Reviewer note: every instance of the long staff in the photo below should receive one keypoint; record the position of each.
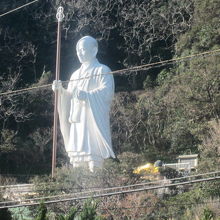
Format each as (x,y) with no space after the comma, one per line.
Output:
(59,17)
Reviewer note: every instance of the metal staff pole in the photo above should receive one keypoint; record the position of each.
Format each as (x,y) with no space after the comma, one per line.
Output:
(59,17)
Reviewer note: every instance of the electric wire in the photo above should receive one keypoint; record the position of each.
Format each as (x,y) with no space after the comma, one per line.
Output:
(122,71)
(95,189)
(18,8)
(92,195)
(109,194)
(115,187)
(168,61)
(137,68)
(19,186)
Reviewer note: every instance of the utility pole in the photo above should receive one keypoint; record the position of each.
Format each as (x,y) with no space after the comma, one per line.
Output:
(59,17)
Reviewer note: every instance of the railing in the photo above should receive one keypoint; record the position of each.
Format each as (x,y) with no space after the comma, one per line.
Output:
(179,166)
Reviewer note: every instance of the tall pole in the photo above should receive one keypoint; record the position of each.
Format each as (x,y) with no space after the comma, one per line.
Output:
(59,17)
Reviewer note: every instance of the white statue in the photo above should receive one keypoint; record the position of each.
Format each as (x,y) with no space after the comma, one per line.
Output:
(84,108)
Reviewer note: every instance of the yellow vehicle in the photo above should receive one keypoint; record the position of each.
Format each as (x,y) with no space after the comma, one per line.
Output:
(148,168)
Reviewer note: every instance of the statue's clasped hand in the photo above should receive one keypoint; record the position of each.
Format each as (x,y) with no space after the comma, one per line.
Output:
(80,94)
(57,85)
(76,105)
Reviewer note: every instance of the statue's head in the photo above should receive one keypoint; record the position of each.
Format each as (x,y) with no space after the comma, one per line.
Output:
(86,48)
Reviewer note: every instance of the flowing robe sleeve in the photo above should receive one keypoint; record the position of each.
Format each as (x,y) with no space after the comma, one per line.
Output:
(99,100)
(64,100)
(63,110)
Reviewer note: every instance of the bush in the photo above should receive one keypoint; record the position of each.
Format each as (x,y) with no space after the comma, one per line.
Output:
(5,214)
(42,212)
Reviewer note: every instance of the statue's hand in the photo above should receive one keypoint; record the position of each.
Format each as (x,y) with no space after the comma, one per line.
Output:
(81,95)
(57,85)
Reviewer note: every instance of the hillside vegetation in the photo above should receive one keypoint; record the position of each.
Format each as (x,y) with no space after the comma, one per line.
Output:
(158,113)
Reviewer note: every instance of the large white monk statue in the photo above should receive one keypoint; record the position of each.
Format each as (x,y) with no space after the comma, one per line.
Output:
(84,108)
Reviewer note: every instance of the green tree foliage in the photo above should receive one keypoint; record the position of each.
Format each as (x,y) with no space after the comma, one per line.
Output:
(5,214)
(70,216)
(176,113)
(173,110)
(87,212)
(209,148)
(69,180)
(42,212)
(129,33)
(207,214)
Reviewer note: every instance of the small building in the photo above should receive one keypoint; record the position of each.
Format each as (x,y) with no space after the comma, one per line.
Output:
(185,163)
(191,159)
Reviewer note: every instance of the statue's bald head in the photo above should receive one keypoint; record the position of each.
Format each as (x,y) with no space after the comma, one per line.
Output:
(87,48)
(89,40)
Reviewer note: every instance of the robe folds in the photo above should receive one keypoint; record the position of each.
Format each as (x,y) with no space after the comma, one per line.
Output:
(89,139)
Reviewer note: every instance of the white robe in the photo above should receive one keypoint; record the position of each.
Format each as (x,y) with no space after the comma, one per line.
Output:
(90,138)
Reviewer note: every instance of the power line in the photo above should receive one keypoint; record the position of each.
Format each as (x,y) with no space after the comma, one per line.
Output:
(132,69)
(116,187)
(16,9)
(168,61)
(95,189)
(112,193)
(24,90)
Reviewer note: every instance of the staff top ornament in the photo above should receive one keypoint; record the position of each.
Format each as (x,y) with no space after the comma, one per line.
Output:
(60,14)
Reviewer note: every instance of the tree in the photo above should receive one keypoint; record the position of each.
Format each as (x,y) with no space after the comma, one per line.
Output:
(42,212)
(5,214)
(27,40)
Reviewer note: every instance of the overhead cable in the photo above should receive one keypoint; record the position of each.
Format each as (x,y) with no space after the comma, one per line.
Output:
(122,71)
(112,193)
(18,8)
(114,187)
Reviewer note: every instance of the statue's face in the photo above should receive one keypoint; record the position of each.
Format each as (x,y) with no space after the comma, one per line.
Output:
(86,51)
